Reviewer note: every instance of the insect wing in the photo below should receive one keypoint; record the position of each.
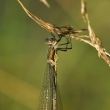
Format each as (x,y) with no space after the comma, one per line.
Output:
(46,96)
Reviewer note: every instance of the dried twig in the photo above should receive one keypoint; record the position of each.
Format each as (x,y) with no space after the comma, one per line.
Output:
(45,3)
(94,40)
(64,31)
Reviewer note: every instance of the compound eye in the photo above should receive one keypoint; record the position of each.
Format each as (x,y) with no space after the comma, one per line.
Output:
(47,40)
(50,40)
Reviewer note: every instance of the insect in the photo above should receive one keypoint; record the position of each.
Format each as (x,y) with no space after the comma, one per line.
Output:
(50,94)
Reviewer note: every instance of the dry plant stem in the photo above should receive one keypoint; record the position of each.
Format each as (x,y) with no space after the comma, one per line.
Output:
(49,27)
(96,43)
(93,40)
(65,30)
(45,3)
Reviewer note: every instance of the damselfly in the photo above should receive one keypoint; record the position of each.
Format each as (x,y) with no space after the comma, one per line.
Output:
(50,95)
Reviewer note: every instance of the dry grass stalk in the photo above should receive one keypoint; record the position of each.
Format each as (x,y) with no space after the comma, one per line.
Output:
(45,3)
(64,31)
(93,39)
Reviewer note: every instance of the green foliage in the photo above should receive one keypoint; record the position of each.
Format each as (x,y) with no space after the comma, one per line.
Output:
(82,76)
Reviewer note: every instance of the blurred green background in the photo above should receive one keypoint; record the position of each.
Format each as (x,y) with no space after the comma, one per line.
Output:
(84,79)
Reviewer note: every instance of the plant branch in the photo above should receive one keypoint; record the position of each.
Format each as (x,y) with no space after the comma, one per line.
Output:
(64,31)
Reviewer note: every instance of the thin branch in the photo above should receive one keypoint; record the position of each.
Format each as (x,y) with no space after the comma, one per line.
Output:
(49,27)
(45,3)
(64,31)
(96,42)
